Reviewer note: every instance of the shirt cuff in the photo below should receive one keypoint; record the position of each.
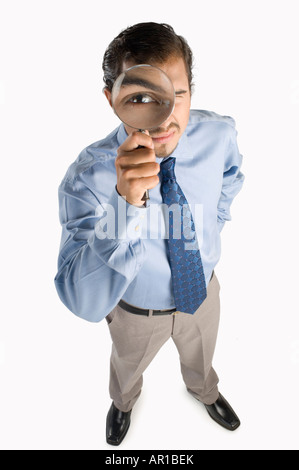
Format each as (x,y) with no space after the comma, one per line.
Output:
(120,220)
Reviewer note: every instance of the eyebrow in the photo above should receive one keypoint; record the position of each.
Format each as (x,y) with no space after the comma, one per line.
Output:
(181,92)
(127,81)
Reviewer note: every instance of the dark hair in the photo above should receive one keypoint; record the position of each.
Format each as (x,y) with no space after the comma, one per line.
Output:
(145,43)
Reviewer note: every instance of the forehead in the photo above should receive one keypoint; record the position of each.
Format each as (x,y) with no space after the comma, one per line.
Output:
(175,69)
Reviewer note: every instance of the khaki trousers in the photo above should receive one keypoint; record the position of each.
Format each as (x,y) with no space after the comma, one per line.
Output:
(137,339)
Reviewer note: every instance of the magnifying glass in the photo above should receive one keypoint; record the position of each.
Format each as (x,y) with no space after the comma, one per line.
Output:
(143,98)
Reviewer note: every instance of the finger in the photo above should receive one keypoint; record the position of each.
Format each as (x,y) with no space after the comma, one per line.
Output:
(149,182)
(135,140)
(143,170)
(136,157)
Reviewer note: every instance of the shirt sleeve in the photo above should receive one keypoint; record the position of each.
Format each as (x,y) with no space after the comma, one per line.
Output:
(101,250)
(233,180)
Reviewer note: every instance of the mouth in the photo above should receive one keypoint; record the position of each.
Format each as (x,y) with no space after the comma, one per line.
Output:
(163,138)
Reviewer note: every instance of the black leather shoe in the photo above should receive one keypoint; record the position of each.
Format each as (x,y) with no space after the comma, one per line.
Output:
(117,425)
(223,414)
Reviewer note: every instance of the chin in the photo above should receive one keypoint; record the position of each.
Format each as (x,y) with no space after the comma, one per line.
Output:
(164,150)
(161,153)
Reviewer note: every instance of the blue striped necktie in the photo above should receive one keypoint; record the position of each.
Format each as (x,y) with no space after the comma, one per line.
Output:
(188,280)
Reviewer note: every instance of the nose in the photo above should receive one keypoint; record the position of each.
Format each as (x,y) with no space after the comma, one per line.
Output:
(168,122)
(165,126)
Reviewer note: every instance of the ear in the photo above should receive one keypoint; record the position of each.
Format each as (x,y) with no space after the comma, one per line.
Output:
(107,93)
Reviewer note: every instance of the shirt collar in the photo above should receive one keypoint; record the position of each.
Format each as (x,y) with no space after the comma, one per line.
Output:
(182,151)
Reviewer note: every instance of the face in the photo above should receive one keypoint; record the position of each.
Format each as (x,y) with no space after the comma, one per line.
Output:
(168,134)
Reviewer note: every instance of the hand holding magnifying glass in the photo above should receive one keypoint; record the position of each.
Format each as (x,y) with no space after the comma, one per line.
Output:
(143,98)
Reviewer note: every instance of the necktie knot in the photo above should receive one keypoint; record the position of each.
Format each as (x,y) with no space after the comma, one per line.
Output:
(167,169)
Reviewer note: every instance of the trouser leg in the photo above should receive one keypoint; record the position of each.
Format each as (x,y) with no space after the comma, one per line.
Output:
(195,338)
(136,341)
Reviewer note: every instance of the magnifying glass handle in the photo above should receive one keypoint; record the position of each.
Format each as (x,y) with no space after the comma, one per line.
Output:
(146,194)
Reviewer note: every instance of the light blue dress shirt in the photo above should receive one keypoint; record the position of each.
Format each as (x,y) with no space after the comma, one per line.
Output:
(111,250)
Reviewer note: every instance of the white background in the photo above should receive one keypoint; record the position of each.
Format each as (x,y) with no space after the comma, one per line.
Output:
(54,367)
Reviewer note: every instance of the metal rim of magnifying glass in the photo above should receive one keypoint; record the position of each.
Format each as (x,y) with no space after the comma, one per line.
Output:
(120,78)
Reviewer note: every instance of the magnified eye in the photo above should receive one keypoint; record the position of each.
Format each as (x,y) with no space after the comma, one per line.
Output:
(141,98)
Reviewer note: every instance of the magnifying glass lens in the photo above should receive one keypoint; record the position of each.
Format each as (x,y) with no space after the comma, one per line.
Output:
(143,97)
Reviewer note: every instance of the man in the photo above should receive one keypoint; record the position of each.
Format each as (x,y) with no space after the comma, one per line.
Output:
(149,286)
